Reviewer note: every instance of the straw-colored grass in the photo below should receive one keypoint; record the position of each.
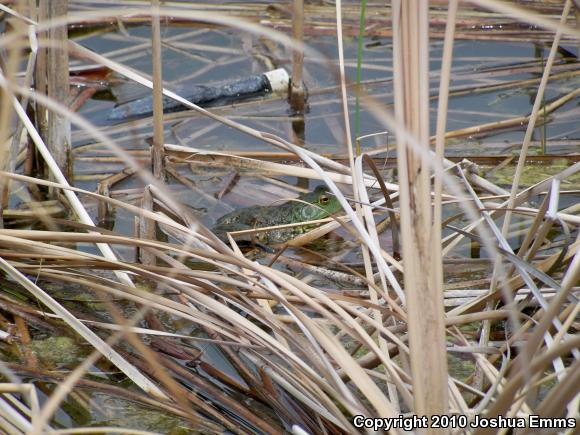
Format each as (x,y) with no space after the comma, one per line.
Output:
(296,339)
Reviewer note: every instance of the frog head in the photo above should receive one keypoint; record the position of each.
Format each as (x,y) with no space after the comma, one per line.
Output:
(316,205)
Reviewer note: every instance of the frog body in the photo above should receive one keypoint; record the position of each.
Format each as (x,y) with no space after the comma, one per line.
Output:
(310,206)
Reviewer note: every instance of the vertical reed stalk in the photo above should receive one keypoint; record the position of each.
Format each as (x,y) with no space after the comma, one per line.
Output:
(59,131)
(297,101)
(18,137)
(359,55)
(440,135)
(157,148)
(423,275)
(442,117)
(40,81)
(6,112)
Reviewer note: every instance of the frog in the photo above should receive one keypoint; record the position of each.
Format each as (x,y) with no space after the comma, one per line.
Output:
(314,205)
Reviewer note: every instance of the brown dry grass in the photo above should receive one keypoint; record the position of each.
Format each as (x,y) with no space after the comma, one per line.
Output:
(298,354)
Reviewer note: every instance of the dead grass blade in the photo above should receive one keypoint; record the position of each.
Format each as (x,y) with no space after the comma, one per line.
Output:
(81,329)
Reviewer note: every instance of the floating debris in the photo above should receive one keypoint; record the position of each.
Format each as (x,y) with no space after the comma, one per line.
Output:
(271,81)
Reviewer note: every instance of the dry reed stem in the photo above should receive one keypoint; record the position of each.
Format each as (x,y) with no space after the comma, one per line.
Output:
(142,242)
(7,153)
(189,154)
(522,14)
(423,283)
(321,389)
(523,154)
(103,348)
(520,199)
(472,22)
(520,266)
(441,127)
(157,155)
(12,408)
(58,175)
(58,132)
(360,194)
(297,96)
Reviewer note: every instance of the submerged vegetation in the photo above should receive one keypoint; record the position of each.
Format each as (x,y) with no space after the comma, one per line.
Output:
(433,268)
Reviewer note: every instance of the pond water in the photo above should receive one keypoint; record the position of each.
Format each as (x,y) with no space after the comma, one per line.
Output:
(191,57)
(484,89)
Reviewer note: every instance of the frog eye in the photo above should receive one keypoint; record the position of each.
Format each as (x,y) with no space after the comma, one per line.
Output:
(324,200)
